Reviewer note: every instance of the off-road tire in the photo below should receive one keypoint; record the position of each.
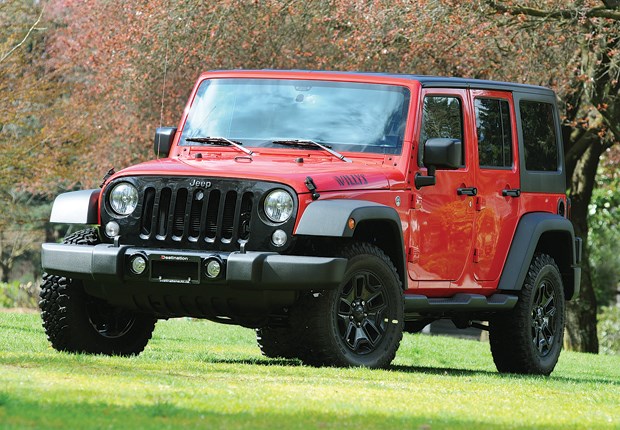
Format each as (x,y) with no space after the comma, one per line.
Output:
(77,322)
(278,342)
(360,323)
(528,339)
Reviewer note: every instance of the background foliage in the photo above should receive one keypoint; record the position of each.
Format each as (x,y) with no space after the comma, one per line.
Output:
(83,84)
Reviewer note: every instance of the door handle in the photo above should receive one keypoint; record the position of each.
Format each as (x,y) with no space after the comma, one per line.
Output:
(515,192)
(468,191)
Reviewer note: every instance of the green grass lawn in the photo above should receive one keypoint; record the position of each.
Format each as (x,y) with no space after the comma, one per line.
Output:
(201,374)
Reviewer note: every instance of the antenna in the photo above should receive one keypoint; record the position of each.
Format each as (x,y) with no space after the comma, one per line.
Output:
(163,88)
(163,92)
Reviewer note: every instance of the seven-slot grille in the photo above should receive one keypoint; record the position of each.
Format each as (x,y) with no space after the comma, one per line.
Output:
(195,215)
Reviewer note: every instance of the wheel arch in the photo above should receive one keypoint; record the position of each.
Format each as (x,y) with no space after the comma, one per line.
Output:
(541,232)
(374,223)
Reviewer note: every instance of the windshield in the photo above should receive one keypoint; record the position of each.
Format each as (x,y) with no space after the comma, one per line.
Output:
(256,112)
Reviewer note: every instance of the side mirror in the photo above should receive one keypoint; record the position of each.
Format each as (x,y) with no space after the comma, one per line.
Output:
(163,141)
(443,153)
(439,153)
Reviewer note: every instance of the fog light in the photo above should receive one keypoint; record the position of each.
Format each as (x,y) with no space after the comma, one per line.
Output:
(112,229)
(214,268)
(278,238)
(138,264)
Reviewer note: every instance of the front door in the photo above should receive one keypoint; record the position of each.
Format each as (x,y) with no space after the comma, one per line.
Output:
(442,217)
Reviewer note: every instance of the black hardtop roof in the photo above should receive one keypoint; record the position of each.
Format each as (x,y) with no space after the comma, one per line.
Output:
(441,81)
(438,81)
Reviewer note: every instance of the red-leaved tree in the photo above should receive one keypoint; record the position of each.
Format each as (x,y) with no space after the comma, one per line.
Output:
(126,67)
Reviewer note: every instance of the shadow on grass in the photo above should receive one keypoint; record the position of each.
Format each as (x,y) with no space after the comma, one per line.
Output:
(443,371)
(440,371)
(55,413)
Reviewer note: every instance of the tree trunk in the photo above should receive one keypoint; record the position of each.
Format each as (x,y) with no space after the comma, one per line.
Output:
(581,315)
(4,273)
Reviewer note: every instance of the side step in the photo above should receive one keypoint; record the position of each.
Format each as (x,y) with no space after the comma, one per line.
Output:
(460,302)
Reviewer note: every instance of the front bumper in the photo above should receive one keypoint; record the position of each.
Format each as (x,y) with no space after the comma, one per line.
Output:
(109,264)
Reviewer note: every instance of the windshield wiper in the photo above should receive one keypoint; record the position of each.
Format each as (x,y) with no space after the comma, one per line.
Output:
(221,141)
(310,144)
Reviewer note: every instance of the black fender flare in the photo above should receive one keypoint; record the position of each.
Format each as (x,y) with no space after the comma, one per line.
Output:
(549,233)
(330,218)
(76,207)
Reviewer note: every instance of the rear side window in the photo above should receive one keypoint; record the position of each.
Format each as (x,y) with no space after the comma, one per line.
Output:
(539,136)
(494,133)
(442,118)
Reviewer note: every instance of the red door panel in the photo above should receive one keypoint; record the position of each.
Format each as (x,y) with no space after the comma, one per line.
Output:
(442,221)
(496,168)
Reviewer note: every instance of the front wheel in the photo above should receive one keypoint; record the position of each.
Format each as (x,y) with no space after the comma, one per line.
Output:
(360,323)
(528,339)
(77,322)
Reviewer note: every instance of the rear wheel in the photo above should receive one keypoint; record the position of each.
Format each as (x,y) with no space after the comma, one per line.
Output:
(360,323)
(77,322)
(529,339)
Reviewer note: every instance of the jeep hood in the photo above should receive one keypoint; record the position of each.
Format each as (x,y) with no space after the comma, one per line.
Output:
(327,174)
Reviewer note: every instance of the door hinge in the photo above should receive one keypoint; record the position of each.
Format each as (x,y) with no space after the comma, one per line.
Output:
(479,203)
(413,254)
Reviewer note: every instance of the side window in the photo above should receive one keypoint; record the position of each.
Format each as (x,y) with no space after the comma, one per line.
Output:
(442,117)
(539,136)
(494,133)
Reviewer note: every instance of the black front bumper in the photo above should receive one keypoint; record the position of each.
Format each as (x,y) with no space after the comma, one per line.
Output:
(252,287)
(251,270)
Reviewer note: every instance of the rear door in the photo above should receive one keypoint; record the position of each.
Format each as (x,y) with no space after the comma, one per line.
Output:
(497,180)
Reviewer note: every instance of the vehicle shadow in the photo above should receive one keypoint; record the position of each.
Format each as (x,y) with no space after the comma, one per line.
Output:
(556,376)
(440,371)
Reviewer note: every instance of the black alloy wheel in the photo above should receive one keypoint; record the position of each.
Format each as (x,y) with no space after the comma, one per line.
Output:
(544,312)
(363,312)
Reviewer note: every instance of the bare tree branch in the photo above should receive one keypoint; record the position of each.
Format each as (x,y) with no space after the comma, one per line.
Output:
(5,56)
(596,12)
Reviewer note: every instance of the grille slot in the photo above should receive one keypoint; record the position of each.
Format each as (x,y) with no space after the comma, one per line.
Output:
(228,216)
(147,217)
(212,211)
(209,216)
(163,206)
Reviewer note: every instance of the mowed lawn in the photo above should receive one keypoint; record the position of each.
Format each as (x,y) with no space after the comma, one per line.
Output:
(199,374)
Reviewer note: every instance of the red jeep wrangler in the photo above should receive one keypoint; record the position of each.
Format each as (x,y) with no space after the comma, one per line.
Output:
(330,212)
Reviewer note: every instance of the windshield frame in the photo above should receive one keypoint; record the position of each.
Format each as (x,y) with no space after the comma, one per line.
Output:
(402,110)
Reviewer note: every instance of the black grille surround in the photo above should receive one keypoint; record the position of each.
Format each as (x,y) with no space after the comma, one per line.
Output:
(201,213)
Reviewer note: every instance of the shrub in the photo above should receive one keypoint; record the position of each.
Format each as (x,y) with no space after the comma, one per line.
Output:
(17,295)
(609,330)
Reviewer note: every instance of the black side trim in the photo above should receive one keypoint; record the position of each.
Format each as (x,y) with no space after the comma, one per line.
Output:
(461,302)
(558,241)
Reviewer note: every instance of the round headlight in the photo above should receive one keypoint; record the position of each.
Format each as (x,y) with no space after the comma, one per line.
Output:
(124,198)
(278,206)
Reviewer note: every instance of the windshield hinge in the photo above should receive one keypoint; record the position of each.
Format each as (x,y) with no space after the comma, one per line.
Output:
(312,188)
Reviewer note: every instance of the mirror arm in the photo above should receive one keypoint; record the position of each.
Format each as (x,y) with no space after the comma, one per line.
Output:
(425,181)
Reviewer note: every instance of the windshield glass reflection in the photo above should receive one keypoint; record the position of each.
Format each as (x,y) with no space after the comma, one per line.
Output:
(346,116)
